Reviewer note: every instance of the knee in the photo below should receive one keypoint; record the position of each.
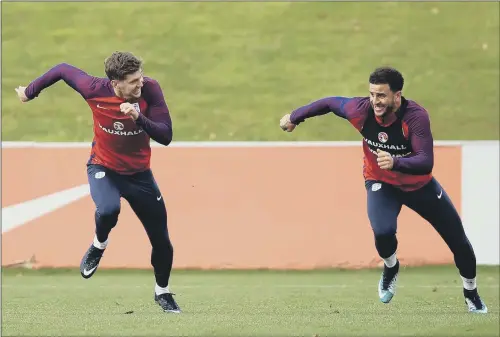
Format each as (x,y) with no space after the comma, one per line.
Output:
(386,244)
(164,241)
(110,210)
(384,230)
(161,242)
(464,249)
(168,246)
(162,250)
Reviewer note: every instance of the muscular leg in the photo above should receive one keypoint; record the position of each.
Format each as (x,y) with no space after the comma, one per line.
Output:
(384,206)
(433,204)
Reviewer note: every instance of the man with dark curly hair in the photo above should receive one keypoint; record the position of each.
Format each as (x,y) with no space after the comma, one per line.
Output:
(398,162)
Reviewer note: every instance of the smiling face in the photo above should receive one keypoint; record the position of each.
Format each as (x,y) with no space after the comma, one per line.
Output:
(386,85)
(383,100)
(130,87)
(125,72)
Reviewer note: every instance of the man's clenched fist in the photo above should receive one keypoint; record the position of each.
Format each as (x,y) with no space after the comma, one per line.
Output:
(384,160)
(286,124)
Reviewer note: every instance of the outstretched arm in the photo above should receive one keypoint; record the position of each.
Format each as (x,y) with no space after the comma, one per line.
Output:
(353,109)
(320,107)
(74,77)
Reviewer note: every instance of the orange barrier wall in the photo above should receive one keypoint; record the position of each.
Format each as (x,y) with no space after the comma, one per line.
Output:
(263,207)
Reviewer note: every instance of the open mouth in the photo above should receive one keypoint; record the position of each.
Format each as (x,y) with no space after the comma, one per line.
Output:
(379,109)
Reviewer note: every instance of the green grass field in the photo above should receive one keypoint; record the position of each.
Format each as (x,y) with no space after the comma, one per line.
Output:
(230,70)
(429,302)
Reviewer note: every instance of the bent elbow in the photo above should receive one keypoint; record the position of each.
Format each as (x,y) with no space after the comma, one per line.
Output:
(430,166)
(427,170)
(167,139)
(424,169)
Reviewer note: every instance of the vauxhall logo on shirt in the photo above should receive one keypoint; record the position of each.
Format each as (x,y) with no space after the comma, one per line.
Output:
(119,130)
(385,146)
(396,150)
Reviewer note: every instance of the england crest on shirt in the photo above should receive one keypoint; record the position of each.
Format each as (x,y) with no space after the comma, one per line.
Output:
(383,137)
(136,107)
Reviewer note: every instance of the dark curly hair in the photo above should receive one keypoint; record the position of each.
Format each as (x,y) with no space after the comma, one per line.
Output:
(388,75)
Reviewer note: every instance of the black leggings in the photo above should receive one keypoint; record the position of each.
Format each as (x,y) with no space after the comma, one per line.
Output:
(145,199)
(433,204)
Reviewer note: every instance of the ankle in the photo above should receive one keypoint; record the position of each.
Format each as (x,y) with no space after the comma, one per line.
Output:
(98,244)
(391,261)
(161,290)
(469,284)
(395,267)
(470,293)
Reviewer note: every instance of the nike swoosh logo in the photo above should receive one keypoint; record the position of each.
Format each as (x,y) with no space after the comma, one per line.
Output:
(158,198)
(19,214)
(101,107)
(88,272)
(440,194)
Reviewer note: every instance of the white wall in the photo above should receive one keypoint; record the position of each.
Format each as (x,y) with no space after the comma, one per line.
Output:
(480,199)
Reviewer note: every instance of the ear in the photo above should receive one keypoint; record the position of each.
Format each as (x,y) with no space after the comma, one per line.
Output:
(114,83)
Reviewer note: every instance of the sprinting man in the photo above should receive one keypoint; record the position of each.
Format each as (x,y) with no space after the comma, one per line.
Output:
(128,109)
(398,163)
